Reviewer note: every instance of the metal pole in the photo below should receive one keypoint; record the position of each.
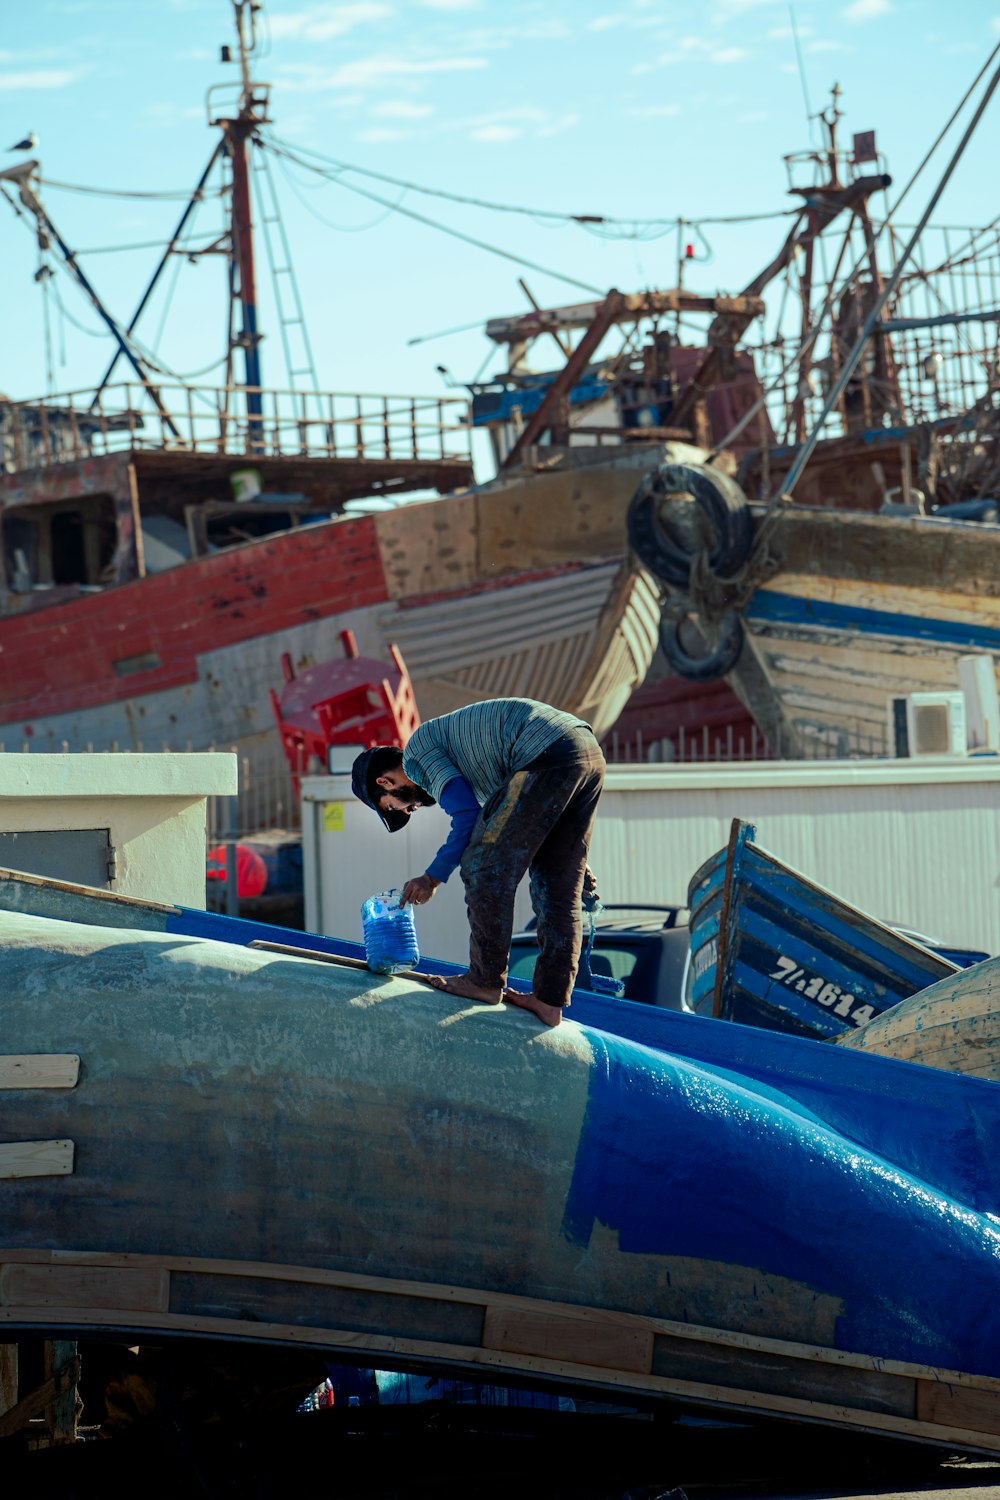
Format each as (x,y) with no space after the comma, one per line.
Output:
(837,390)
(238,131)
(46,226)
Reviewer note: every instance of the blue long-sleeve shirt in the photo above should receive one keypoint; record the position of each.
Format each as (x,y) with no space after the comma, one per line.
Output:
(459,802)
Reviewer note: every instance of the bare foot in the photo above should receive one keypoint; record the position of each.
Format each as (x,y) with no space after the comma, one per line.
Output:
(462,986)
(550,1015)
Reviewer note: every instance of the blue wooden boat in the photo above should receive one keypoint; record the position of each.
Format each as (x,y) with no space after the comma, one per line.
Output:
(771,948)
(203,1141)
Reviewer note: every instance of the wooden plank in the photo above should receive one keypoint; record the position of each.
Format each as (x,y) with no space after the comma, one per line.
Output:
(141,1290)
(35,1404)
(8,1377)
(784,1373)
(36,1159)
(62,1367)
(584,1340)
(39,1070)
(955,1406)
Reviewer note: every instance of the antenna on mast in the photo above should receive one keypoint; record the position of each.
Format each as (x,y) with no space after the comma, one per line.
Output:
(238,130)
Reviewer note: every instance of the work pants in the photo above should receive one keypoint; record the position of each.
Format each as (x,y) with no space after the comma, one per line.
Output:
(540,821)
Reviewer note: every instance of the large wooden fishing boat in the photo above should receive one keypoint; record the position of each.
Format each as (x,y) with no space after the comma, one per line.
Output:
(203,1141)
(869,562)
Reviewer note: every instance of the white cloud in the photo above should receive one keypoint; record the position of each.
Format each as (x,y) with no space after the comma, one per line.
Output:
(38,78)
(366,72)
(402,109)
(785,33)
(496,135)
(752,117)
(655,111)
(866,10)
(318,23)
(729,55)
(451,4)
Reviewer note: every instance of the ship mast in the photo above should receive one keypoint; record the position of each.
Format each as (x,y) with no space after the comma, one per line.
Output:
(238,131)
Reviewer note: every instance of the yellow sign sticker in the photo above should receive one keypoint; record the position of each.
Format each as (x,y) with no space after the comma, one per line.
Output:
(333,817)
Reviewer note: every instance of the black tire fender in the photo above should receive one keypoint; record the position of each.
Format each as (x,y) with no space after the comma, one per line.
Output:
(680,510)
(716,662)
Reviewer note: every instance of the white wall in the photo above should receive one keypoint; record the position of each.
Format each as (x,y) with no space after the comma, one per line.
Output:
(348,855)
(916,843)
(912,842)
(154,807)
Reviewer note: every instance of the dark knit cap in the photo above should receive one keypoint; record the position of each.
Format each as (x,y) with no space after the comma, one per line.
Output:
(368,765)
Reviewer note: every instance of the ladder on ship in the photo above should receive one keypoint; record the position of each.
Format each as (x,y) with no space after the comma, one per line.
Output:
(299,360)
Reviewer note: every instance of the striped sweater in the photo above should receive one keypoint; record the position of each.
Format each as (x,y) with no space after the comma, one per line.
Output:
(484,743)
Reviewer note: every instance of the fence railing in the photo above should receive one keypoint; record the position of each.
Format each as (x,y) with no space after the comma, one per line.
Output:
(705,744)
(234,421)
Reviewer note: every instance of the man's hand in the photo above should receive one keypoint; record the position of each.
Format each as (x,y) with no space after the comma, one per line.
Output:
(590,892)
(418,890)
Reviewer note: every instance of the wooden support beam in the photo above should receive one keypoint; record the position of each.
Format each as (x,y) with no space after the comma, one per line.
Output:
(62,1367)
(59,1383)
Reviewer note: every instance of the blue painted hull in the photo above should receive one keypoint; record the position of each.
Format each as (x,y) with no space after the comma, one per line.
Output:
(241,1109)
(770,948)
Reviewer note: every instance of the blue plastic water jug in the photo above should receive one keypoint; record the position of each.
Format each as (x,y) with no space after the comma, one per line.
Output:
(390,934)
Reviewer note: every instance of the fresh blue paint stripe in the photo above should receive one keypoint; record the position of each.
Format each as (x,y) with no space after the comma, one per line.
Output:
(757,1182)
(770,608)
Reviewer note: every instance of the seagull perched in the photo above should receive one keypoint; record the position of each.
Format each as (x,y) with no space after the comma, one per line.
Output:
(28,144)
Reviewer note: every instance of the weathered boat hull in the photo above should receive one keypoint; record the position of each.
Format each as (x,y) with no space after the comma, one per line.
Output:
(861,608)
(771,948)
(954,1024)
(268,1148)
(522,589)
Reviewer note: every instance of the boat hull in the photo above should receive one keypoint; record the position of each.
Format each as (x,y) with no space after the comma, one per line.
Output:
(861,608)
(953,1024)
(277,1149)
(771,948)
(521,590)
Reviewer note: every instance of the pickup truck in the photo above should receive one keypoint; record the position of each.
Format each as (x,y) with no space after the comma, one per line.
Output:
(644,947)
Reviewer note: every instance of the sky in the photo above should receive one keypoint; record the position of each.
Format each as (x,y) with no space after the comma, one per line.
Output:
(634,110)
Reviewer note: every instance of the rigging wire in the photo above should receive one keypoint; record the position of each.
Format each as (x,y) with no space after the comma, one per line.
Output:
(585,221)
(886,224)
(322,219)
(139,245)
(102,192)
(458,234)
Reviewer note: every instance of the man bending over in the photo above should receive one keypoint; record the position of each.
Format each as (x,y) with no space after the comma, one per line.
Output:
(521,783)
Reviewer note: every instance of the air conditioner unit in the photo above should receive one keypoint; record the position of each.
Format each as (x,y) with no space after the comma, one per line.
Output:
(935,724)
(978,680)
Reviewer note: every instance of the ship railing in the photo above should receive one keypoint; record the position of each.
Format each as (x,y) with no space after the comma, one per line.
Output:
(238,422)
